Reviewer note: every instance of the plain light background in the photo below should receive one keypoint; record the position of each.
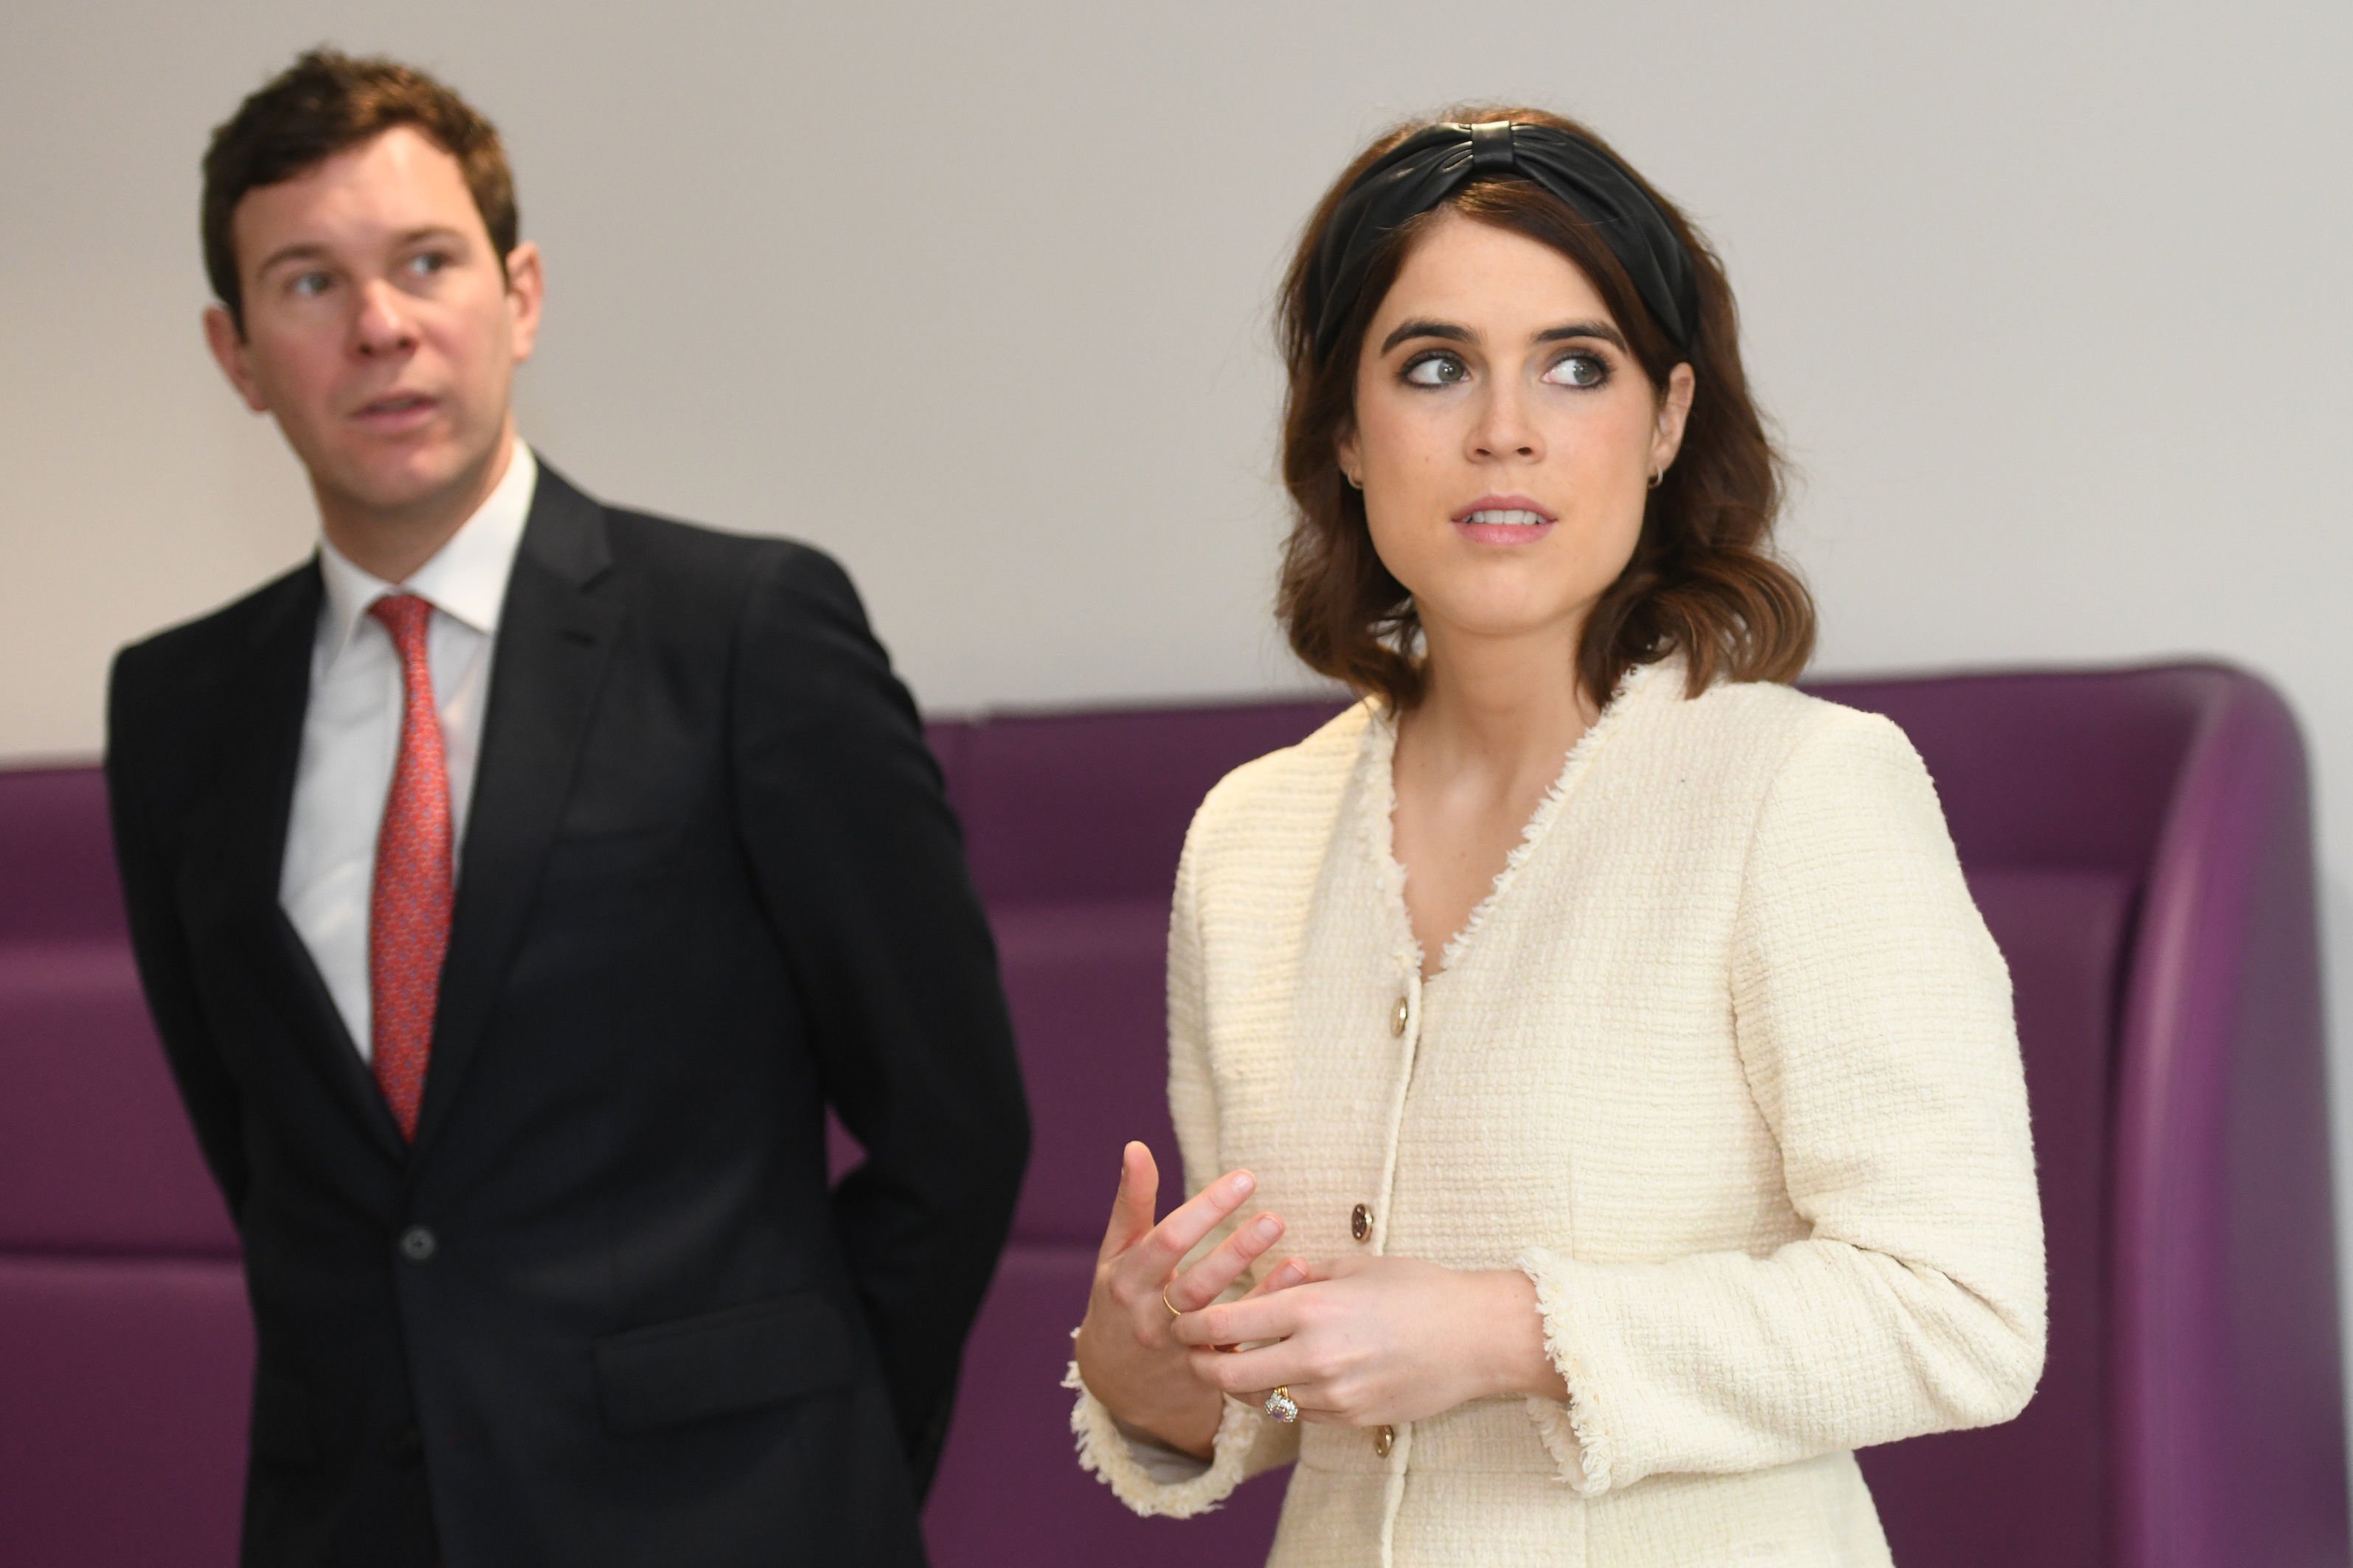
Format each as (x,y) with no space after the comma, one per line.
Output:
(2050,303)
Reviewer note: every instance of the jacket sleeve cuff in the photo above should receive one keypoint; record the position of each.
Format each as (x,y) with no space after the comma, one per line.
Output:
(1154,1479)
(1574,1433)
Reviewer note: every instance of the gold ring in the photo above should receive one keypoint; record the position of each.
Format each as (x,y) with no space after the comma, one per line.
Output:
(1281,1406)
(1170,1305)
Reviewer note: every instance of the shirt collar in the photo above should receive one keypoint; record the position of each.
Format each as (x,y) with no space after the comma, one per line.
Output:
(466,579)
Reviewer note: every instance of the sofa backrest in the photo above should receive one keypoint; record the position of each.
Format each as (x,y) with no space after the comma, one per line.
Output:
(2192,1407)
(124,1388)
(2119,829)
(57,857)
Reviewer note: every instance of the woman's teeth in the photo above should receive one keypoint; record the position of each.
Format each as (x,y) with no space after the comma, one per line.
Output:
(1509,519)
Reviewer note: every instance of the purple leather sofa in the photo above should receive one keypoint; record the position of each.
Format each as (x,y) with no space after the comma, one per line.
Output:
(2139,841)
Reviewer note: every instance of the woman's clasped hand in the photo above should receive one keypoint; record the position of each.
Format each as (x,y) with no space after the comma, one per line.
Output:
(1369,1341)
(1360,1342)
(1126,1349)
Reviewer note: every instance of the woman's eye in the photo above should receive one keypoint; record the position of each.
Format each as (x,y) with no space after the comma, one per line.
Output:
(1435,370)
(1579,370)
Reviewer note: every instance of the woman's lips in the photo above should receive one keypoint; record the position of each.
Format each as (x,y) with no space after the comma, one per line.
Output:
(1503,520)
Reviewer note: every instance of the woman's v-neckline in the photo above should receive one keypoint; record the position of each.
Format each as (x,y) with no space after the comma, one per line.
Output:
(1377,760)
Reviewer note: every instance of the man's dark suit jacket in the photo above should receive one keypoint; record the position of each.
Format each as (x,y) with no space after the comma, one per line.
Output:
(605,1310)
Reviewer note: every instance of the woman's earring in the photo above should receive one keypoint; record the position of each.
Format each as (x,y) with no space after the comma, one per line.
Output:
(1656,475)
(1359,484)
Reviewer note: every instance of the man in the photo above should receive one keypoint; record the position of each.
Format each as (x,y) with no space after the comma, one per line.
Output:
(514,885)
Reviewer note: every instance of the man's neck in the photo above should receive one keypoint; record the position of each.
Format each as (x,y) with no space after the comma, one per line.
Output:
(390,543)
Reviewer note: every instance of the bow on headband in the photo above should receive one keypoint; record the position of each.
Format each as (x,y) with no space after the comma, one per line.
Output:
(1430,166)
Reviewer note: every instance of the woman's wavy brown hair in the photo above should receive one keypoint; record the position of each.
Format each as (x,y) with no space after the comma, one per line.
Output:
(1703,581)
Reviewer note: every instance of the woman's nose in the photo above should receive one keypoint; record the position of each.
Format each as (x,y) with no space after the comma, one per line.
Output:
(1504,430)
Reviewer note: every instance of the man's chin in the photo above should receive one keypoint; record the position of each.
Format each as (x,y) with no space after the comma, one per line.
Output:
(419,484)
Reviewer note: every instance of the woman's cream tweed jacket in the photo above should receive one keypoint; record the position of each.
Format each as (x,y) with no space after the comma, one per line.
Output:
(1726,1063)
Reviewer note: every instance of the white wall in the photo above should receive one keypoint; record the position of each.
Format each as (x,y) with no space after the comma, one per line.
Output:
(2051,302)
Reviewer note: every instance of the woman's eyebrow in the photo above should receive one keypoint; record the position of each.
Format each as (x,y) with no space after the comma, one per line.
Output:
(1427,329)
(1601,329)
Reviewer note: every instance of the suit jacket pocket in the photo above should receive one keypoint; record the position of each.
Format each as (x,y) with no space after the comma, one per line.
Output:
(720,1364)
(283,1432)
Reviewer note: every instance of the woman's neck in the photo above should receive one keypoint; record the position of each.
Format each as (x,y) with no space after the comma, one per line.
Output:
(1501,707)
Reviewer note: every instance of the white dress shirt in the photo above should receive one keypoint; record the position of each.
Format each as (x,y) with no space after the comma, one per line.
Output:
(351,729)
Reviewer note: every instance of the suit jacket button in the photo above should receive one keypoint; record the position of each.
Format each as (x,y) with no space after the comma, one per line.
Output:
(1360,1223)
(417,1244)
(1398,1019)
(1384,1440)
(405,1445)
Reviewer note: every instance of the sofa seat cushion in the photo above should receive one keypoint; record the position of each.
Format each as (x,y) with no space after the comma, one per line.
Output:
(123,1392)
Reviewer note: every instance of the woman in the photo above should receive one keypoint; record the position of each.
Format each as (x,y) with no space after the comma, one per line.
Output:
(1607,1023)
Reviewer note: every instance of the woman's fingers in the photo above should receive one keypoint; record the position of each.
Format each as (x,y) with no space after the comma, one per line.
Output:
(1148,1264)
(1283,1277)
(1245,1373)
(1268,1315)
(1132,1206)
(1206,1280)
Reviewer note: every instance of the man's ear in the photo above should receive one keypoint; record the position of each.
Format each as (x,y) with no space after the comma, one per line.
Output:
(527,292)
(227,343)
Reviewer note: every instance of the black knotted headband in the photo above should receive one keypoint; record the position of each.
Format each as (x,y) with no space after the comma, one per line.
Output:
(1430,166)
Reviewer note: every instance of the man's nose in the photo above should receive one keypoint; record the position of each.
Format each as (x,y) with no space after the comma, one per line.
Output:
(383,325)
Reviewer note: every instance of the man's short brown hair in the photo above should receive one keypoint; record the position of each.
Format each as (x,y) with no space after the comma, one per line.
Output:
(328,102)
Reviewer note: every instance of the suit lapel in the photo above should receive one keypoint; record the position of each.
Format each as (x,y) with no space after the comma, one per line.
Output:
(556,631)
(253,797)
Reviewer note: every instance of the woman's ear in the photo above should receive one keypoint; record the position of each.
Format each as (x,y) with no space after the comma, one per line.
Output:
(1351,460)
(1674,411)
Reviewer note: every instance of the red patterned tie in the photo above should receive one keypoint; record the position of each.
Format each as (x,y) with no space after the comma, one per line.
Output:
(408,911)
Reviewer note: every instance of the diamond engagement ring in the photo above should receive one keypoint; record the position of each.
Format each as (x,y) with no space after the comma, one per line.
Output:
(1281,1406)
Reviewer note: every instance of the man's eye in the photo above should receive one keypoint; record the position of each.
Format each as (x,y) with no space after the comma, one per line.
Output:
(309,285)
(425,263)
(1435,370)
(1579,370)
